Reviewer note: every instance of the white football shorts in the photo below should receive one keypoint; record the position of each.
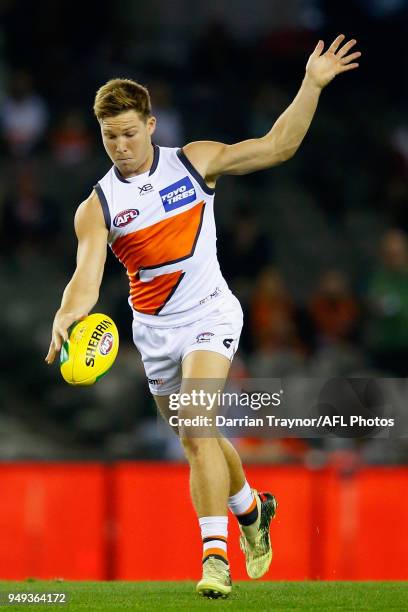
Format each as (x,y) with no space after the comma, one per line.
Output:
(163,349)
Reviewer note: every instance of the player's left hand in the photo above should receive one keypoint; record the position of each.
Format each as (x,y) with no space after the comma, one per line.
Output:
(321,67)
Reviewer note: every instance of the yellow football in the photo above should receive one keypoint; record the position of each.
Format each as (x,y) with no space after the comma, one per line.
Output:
(90,350)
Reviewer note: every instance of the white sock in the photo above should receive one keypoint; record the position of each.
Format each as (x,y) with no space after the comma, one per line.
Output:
(214,532)
(243,505)
(241,501)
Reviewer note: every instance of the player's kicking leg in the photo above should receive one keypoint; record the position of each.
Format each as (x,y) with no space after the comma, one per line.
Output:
(254,512)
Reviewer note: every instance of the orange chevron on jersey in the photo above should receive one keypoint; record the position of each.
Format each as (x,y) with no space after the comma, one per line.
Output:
(162,228)
(169,241)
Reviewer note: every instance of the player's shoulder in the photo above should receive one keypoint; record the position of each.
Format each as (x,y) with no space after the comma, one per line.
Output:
(200,150)
(90,203)
(89,212)
(200,154)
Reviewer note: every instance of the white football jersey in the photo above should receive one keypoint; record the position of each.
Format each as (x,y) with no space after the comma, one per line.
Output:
(162,228)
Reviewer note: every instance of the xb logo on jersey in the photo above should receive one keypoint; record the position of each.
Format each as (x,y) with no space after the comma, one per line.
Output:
(145,189)
(125,217)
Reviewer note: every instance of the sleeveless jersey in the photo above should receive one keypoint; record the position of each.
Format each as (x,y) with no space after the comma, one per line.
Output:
(162,228)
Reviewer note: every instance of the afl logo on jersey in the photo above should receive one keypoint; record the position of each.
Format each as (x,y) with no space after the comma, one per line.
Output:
(125,217)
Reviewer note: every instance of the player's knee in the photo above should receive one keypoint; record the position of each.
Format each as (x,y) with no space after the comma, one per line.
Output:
(194,447)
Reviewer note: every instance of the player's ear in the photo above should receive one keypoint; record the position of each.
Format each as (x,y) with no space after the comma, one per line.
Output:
(151,125)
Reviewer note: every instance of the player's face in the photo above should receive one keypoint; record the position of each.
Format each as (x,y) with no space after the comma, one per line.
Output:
(127,141)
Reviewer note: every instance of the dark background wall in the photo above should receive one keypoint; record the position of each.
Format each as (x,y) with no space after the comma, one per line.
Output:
(315,249)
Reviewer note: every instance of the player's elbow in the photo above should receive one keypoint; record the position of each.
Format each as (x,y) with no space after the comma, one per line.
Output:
(281,157)
(280,151)
(289,152)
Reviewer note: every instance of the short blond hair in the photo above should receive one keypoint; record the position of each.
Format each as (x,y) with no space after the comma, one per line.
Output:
(120,95)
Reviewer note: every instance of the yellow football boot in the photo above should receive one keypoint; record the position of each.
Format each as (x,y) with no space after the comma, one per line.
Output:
(258,549)
(216,580)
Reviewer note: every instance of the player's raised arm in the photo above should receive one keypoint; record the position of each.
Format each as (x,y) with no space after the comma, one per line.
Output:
(82,292)
(213,159)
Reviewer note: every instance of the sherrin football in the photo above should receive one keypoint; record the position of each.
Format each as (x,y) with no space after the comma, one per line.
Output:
(90,350)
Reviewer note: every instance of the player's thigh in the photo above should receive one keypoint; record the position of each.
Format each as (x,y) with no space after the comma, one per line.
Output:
(204,372)
(205,365)
(206,369)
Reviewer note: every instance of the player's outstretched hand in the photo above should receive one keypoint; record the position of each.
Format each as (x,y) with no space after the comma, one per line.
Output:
(62,322)
(321,67)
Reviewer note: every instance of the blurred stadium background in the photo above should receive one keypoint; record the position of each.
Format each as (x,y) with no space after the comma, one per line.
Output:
(316,250)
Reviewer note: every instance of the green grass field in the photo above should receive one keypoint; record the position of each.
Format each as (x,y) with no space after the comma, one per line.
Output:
(260,596)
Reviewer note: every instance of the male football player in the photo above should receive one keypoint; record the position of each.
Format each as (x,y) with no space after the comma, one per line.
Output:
(155,209)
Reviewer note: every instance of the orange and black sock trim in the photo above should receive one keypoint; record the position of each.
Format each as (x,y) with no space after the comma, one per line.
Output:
(214,546)
(250,516)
